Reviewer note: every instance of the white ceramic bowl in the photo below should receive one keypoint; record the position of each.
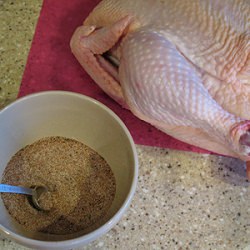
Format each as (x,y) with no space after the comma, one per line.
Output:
(60,113)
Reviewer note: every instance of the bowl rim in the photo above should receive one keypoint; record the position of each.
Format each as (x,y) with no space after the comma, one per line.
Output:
(95,234)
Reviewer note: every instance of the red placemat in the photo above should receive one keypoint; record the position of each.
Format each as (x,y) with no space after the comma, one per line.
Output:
(52,66)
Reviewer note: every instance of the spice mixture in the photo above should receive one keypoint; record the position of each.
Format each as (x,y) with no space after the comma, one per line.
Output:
(81,185)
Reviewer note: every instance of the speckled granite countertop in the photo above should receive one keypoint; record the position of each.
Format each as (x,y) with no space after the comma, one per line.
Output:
(183,200)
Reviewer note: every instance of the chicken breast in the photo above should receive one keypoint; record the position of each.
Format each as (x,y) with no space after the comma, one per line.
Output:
(182,66)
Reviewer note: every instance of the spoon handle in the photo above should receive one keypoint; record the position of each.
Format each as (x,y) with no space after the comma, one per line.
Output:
(4,188)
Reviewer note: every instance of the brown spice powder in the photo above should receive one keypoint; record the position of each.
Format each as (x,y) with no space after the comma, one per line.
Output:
(81,185)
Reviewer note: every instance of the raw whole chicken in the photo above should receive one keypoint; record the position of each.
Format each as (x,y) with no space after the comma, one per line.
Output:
(182,66)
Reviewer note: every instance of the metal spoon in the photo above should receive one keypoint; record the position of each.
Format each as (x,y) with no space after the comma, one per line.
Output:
(35,192)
